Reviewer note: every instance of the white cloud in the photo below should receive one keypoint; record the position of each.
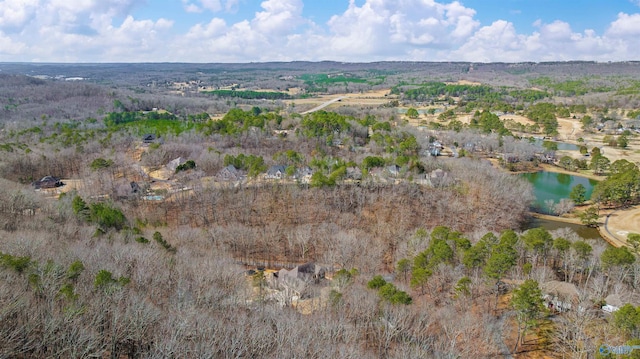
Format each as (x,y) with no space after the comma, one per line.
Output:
(232,5)
(191,7)
(279,17)
(403,30)
(76,7)
(17,13)
(490,43)
(10,48)
(198,6)
(212,5)
(266,37)
(556,31)
(367,30)
(77,30)
(553,42)
(382,28)
(216,27)
(625,26)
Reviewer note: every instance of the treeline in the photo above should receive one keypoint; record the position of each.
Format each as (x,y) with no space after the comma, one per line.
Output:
(433,90)
(471,96)
(250,95)
(119,118)
(621,188)
(571,87)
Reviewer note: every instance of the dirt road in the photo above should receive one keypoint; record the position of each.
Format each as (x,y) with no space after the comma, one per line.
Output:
(323,105)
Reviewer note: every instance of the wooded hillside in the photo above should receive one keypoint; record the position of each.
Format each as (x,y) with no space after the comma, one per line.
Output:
(172,204)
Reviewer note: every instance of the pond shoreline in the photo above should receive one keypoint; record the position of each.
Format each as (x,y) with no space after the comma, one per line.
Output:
(601,228)
(602,220)
(553,168)
(550,217)
(549,168)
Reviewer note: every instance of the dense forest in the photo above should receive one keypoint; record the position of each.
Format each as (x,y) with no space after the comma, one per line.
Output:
(155,210)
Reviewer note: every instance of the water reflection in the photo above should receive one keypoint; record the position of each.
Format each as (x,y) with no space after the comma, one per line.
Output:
(551,187)
(564,178)
(582,231)
(562,146)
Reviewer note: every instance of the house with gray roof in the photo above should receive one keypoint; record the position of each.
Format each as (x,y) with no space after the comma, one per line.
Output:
(276,172)
(48,182)
(298,278)
(303,174)
(393,170)
(230,173)
(354,173)
(560,296)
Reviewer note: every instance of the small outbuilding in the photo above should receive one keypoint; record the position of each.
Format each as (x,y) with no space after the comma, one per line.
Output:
(149,138)
(614,302)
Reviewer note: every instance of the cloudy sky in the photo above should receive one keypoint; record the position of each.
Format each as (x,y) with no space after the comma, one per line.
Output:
(316,30)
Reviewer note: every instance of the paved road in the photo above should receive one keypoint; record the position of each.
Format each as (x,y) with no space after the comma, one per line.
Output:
(616,241)
(318,108)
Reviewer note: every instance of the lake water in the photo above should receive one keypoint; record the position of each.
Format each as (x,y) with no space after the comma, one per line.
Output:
(555,186)
(562,146)
(153,198)
(582,231)
(567,146)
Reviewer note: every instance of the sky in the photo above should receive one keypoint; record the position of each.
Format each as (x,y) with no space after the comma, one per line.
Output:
(318,30)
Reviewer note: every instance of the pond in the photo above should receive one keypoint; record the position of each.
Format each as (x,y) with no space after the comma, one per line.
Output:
(153,198)
(550,225)
(562,146)
(552,186)
(567,146)
(556,186)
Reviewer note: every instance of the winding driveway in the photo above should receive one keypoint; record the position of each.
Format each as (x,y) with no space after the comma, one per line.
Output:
(606,228)
(619,223)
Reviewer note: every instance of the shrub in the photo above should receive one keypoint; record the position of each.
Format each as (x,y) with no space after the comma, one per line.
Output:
(142,240)
(80,208)
(388,291)
(157,236)
(19,264)
(377,282)
(104,280)
(107,217)
(99,163)
(190,164)
(372,161)
(68,292)
(75,269)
